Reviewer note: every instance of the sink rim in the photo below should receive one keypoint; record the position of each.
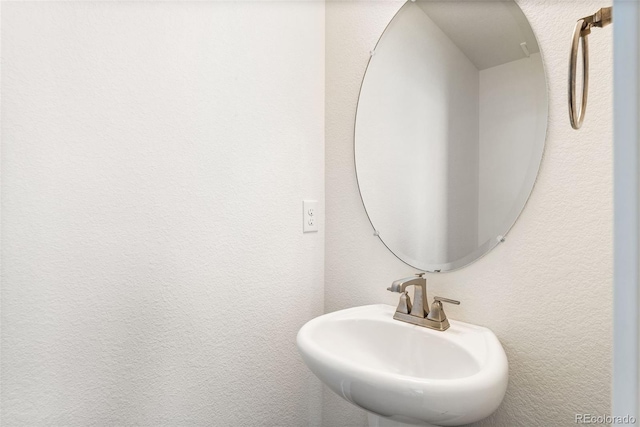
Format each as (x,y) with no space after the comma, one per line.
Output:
(488,368)
(401,397)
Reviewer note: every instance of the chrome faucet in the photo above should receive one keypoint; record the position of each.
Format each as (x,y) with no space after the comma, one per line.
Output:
(418,313)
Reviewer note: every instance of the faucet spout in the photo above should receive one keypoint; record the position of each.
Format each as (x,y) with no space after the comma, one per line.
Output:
(419,307)
(401,285)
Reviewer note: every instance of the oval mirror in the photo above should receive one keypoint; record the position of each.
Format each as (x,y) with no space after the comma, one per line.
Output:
(450,129)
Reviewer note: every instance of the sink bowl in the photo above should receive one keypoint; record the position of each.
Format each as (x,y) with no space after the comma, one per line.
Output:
(403,373)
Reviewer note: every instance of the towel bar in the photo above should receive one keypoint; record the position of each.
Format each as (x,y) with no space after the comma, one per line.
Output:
(582,29)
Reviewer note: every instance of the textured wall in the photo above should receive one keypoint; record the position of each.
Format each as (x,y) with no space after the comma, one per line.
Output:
(154,160)
(545,292)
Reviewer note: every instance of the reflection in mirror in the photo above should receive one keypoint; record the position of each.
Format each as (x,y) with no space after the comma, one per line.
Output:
(450,129)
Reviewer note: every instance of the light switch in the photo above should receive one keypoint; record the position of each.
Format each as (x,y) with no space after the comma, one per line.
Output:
(309,216)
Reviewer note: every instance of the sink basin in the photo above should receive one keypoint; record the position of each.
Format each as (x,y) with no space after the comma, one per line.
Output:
(403,373)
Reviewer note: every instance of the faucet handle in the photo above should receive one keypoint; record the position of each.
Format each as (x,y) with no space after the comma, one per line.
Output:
(437,312)
(404,306)
(450,301)
(421,274)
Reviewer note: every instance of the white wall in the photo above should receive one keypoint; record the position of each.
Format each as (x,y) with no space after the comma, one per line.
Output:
(154,160)
(421,79)
(545,292)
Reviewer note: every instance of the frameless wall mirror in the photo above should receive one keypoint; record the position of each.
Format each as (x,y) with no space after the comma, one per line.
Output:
(450,129)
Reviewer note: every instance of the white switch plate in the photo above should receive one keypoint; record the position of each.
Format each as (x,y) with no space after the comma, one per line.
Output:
(309,216)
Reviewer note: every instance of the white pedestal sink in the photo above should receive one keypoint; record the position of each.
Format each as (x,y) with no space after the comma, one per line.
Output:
(404,374)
